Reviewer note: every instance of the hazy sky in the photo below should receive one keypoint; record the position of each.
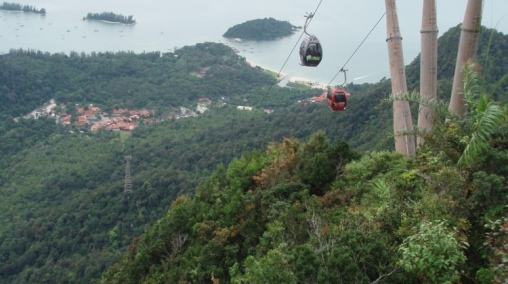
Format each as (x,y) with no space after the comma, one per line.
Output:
(363,14)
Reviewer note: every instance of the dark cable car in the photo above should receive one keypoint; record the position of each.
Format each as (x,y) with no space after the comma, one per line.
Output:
(337,99)
(311,52)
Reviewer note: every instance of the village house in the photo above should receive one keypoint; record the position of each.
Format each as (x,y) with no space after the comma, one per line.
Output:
(119,112)
(81,120)
(204,100)
(244,108)
(144,113)
(65,119)
(318,99)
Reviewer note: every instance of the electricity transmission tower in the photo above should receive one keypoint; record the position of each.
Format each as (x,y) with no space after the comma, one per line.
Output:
(127,187)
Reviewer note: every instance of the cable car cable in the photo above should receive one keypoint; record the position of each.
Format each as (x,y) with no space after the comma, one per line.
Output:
(342,68)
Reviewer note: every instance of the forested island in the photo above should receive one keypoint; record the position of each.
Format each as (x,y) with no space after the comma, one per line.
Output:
(110,17)
(18,7)
(261,29)
(274,194)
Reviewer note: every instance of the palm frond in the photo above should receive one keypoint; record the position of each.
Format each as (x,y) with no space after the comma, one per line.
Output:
(486,124)
(471,86)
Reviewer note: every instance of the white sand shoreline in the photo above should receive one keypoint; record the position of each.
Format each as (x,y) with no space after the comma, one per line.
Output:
(281,75)
(308,82)
(296,80)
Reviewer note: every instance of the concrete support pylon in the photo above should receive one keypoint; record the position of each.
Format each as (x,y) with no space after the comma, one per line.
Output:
(402,120)
(428,67)
(468,46)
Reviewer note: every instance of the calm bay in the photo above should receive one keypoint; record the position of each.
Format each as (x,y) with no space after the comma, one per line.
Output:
(163,26)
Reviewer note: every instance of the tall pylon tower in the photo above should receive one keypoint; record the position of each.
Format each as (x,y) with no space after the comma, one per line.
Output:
(402,121)
(428,67)
(127,187)
(468,46)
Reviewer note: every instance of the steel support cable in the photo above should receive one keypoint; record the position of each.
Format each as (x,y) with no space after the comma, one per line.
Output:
(354,52)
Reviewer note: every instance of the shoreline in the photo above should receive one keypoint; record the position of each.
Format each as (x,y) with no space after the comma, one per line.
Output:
(308,82)
(109,22)
(296,80)
(280,77)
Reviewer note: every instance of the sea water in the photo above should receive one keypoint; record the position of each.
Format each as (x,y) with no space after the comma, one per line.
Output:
(340,25)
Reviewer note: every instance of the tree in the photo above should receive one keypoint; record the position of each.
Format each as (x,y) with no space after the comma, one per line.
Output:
(485,117)
(433,253)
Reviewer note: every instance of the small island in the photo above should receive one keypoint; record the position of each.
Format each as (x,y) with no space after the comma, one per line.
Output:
(111,17)
(261,29)
(20,8)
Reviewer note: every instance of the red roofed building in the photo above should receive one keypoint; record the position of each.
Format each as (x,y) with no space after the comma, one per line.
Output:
(144,113)
(119,112)
(65,119)
(319,99)
(205,100)
(81,120)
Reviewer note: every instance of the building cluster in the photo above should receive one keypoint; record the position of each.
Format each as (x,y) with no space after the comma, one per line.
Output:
(119,120)
(319,99)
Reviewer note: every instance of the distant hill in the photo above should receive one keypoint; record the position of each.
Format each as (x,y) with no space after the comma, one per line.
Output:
(492,58)
(18,7)
(111,17)
(261,29)
(28,79)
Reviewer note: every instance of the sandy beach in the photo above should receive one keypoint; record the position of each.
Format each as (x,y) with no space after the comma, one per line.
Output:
(280,77)
(310,83)
(296,80)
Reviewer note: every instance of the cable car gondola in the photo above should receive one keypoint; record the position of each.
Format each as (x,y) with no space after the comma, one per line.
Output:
(337,98)
(311,52)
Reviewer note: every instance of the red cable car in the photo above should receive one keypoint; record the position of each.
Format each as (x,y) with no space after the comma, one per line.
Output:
(337,99)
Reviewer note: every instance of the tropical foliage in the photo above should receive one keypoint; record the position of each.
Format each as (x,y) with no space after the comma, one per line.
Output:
(317,212)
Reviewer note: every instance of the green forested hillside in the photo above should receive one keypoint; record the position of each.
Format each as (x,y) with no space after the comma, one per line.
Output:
(317,212)
(66,218)
(30,78)
(491,57)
